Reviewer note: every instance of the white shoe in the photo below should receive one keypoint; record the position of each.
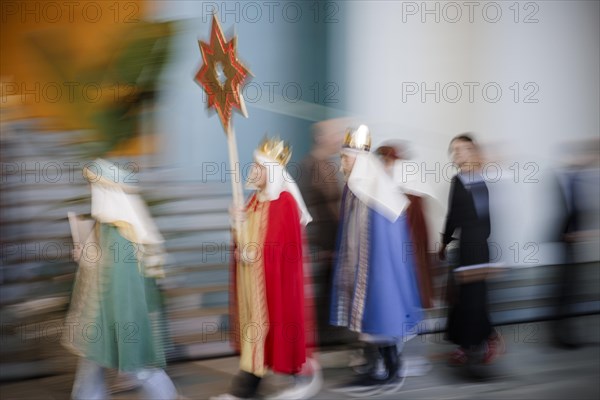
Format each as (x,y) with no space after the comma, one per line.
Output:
(157,385)
(225,396)
(89,382)
(302,388)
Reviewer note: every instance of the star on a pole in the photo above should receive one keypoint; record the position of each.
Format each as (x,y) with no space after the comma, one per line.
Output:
(222,74)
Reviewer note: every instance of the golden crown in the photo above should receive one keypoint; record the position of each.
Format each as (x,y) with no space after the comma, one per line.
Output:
(276,150)
(358,138)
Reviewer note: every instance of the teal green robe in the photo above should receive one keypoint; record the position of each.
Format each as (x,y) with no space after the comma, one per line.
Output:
(116,311)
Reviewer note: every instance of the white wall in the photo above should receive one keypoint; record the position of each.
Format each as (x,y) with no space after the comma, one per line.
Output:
(389,49)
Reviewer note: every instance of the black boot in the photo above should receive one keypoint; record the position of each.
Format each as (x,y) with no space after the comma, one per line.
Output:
(376,378)
(371,356)
(391,360)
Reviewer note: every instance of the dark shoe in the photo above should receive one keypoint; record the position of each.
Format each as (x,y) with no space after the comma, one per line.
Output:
(384,370)
(495,346)
(458,357)
(365,360)
(244,385)
(391,360)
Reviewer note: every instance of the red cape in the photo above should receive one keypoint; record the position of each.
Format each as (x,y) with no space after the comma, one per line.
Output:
(286,341)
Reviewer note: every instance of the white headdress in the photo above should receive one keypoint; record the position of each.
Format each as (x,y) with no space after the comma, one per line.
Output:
(115,201)
(368,179)
(274,154)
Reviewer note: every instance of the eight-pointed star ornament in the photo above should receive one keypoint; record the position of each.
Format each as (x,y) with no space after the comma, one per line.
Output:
(222,74)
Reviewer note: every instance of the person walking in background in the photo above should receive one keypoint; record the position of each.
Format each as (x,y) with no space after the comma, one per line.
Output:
(468,323)
(395,157)
(578,229)
(393,154)
(321,186)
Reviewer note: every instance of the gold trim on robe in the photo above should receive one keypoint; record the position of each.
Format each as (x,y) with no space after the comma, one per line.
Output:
(251,291)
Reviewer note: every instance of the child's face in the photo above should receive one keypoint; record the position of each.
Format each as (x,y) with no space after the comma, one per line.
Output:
(258,176)
(463,153)
(347,163)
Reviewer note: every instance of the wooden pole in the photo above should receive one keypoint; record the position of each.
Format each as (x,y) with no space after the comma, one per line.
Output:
(236,183)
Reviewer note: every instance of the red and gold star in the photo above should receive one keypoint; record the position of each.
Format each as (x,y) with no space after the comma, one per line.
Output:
(222,74)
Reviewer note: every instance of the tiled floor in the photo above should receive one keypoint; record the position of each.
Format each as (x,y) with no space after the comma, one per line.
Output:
(531,369)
